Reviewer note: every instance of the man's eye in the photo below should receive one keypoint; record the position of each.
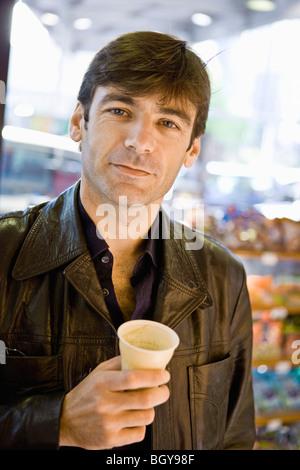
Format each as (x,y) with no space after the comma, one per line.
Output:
(117,111)
(169,124)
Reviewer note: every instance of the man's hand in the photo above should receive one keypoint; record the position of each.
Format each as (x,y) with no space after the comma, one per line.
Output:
(110,407)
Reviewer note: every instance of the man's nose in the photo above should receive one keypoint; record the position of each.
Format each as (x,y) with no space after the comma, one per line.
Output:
(140,136)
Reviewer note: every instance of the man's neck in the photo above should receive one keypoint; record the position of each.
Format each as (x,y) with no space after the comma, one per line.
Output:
(124,228)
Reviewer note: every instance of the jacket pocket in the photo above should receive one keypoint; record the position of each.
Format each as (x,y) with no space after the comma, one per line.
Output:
(209,390)
(30,374)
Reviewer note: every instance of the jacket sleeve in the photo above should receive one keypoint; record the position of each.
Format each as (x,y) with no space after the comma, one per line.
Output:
(240,432)
(31,423)
(29,419)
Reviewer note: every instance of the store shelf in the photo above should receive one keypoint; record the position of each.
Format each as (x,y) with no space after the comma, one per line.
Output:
(285,417)
(272,362)
(290,310)
(281,255)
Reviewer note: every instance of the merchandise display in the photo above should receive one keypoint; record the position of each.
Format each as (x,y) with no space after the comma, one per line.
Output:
(276,390)
(279,291)
(248,229)
(267,336)
(277,437)
(270,252)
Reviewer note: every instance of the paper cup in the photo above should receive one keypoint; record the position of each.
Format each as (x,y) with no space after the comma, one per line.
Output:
(146,344)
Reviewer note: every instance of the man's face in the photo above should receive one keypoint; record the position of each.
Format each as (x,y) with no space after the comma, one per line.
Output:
(133,146)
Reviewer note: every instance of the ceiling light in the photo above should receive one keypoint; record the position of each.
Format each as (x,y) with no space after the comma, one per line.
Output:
(200,19)
(50,19)
(82,23)
(261,5)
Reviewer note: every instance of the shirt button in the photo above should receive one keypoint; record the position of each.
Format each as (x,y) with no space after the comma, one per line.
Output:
(105,259)
(105,292)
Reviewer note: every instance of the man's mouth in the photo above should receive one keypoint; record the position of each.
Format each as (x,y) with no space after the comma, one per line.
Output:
(130,170)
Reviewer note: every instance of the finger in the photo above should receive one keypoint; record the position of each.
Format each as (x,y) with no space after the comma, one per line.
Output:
(136,418)
(130,435)
(144,399)
(136,379)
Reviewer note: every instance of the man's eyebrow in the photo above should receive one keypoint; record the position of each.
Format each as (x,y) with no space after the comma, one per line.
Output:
(176,112)
(116,97)
(127,99)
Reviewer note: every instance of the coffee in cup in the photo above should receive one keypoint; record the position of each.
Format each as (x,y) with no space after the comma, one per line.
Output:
(146,344)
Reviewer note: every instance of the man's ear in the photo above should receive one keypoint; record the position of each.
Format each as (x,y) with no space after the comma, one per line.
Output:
(76,123)
(192,153)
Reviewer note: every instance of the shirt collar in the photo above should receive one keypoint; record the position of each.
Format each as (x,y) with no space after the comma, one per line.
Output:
(96,244)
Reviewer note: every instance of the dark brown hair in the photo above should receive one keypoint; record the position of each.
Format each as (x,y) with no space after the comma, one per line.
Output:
(147,62)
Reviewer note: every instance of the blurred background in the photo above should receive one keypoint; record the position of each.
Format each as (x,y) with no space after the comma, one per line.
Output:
(246,183)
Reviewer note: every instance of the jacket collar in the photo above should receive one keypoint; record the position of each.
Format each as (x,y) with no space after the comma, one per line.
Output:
(55,238)
(47,247)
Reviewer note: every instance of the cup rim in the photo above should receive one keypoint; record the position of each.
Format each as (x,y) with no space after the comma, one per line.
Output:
(153,323)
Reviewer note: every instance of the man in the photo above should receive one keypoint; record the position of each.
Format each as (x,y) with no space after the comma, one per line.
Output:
(73,270)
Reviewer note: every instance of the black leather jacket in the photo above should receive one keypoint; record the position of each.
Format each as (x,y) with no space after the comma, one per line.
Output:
(55,324)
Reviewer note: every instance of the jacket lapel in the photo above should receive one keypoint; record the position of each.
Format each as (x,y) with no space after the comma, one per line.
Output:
(83,277)
(181,289)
